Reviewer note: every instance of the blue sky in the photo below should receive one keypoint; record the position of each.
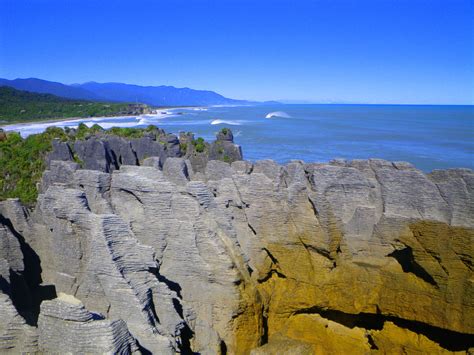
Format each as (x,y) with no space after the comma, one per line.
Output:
(379,51)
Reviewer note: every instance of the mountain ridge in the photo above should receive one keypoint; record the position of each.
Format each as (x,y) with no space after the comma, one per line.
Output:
(41,86)
(163,95)
(23,106)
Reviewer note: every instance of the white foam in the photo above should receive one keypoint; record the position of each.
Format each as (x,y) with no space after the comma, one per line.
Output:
(26,129)
(229,122)
(278,114)
(143,120)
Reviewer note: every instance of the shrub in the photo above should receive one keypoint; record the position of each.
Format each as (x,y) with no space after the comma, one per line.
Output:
(151,128)
(23,163)
(96,128)
(82,131)
(126,132)
(199,145)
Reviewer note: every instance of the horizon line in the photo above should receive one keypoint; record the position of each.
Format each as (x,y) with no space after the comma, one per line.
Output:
(279,101)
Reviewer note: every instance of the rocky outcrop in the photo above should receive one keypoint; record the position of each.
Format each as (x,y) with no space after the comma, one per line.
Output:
(16,335)
(223,149)
(349,256)
(107,152)
(64,325)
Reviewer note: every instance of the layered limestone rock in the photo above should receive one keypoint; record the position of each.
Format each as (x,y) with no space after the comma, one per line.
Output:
(360,256)
(15,334)
(65,325)
(107,152)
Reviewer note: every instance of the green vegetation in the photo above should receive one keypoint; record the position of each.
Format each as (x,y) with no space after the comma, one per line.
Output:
(23,106)
(225,131)
(199,145)
(96,128)
(126,132)
(82,131)
(22,161)
(183,147)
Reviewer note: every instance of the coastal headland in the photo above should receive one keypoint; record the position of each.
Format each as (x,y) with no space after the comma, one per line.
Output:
(142,241)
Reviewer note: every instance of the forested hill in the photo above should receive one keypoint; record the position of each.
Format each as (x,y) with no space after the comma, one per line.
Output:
(23,106)
(119,92)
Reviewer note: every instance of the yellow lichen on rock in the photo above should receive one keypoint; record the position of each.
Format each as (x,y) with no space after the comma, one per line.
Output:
(396,340)
(430,282)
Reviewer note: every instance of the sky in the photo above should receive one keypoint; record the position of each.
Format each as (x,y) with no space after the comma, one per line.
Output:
(359,51)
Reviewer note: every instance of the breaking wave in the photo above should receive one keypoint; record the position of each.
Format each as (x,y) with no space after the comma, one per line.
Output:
(229,122)
(278,114)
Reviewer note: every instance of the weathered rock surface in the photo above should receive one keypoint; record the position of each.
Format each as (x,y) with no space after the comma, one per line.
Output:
(349,256)
(106,153)
(64,325)
(15,334)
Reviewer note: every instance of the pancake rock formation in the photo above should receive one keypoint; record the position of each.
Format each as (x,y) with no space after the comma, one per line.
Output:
(360,257)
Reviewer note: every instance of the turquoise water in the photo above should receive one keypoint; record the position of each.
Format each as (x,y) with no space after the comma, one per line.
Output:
(430,137)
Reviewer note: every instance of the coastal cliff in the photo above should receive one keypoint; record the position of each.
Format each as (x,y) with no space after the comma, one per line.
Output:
(175,252)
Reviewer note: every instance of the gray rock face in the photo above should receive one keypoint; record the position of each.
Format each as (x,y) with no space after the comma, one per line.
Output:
(223,149)
(16,335)
(176,170)
(238,255)
(107,153)
(60,151)
(152,161)
(65,326)
(58,172)
(225,135)
(102,264)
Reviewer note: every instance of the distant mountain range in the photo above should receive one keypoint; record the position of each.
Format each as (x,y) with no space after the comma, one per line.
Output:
(118,92)
(23,106)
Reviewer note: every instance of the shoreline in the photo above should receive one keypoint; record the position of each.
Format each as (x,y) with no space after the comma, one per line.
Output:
(5,125)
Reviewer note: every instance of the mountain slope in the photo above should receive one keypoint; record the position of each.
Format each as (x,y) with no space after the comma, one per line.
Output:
(22,106)
(152,95)
(50,87)
(156,95)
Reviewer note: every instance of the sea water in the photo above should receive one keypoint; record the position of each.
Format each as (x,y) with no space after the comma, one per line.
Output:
(430,137)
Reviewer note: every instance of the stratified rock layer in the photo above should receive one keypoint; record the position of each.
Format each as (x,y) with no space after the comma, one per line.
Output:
(359,257)
(64,325)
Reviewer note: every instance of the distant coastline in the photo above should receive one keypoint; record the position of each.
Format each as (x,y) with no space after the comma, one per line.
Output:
(429,137)
(22,122)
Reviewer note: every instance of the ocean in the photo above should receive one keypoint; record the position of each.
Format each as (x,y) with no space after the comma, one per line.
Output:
(430,137)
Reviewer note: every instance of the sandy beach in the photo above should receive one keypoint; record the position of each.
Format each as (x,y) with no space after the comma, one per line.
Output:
(162,112)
